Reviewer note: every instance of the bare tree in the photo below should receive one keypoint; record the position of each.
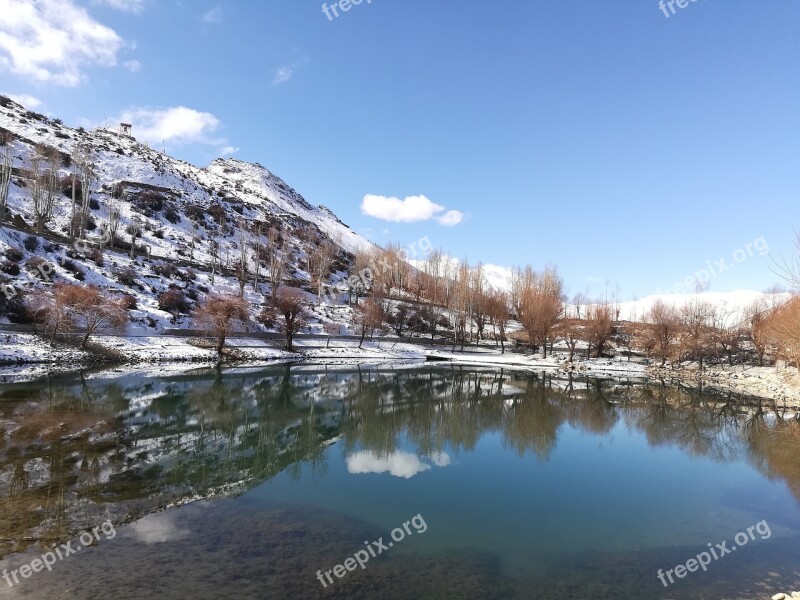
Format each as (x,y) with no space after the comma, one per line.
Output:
(278,258)
(242,272)
(213,248)
(82,176)
(219,315)
(662,326)
(480,301)
(460,304)
(331,329)
(757,316)
(69,307)
(52,312)
(44,190)
(599,327)
(134,229)
(112,221)
(727,330)
(257,251)
(320,260)
(783,326)
(6,165)
(578,301)
(570,330)
(367,318)
(95,310)
(696,316)
(541,305)
(399,318)
(289,303)
(499,316)
(359,281)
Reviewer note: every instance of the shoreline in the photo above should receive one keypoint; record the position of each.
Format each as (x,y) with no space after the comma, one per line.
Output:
(24,356)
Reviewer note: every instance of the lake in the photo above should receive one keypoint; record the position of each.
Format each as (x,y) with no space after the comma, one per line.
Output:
(392,482)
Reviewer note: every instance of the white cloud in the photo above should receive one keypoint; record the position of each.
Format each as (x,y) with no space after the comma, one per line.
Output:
(157,528)
(134,66)
(451,218)
(282,74)
(176,125)
(26,100)
(131,6)
(228,150)
(440,459)
(53,41)
(212,16)
(400,463)
(411,209)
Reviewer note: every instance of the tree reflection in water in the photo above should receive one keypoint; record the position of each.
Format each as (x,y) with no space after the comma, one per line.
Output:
(76,451)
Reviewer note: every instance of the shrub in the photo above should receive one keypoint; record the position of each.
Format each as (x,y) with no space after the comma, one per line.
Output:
(217,212)
(9,267)
(174,301)
(195,213)
(66,183)
(165,270)
(96,256)
(14,254)
(94,204)
(31,243)
(125,275)
(76,271)
(149,201)
(128,302)
(171,215)
(17,311)
(34,265)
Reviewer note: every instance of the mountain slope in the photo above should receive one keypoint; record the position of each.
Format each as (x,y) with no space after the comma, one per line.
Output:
(192,220)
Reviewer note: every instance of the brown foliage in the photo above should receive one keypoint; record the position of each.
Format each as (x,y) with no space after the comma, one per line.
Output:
(288,303)
(69,308)
(219,315)
(367,317)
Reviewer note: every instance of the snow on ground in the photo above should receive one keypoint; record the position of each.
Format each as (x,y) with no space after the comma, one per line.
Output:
(779,383)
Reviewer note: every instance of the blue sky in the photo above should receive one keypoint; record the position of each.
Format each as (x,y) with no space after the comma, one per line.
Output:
(607,138)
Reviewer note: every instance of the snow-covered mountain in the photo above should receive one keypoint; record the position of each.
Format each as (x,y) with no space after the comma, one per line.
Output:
(185,213)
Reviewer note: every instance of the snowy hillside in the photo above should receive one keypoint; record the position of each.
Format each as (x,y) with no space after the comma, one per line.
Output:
(188,223)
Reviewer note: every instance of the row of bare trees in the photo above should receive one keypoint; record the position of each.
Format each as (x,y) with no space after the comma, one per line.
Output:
(700,331)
